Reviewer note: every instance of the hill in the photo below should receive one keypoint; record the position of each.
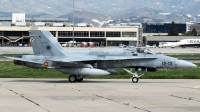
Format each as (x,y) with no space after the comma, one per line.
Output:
(117,9)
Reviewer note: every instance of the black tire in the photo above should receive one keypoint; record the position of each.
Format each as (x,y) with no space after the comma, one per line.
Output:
(79,80)
(72,78)
(135,79)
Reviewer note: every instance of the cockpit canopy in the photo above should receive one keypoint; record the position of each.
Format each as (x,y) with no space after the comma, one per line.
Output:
(144,50)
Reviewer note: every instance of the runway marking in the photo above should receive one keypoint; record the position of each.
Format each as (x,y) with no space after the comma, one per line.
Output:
(170,86)
(196,87)
(109,99)
(22,96)
(189,98)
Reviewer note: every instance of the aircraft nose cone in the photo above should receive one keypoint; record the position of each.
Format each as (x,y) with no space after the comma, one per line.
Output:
(194,66)
(185,64)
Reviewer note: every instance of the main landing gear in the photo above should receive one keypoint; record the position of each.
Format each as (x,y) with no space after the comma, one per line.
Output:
(135,77)
(75,78)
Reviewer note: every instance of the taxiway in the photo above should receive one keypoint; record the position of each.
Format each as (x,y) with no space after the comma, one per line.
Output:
(96,95)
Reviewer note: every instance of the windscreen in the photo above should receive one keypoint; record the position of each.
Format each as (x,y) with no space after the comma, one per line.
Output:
(145,50)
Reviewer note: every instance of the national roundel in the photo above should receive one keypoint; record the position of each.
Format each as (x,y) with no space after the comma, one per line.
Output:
(31,39)
(48,47)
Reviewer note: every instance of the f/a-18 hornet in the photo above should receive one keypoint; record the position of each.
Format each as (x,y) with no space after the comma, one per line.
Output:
(48,53)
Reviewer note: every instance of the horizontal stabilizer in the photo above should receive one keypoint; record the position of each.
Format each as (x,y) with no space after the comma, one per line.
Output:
(20,59)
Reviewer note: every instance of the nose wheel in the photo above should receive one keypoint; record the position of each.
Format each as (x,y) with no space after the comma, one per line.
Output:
(135,77)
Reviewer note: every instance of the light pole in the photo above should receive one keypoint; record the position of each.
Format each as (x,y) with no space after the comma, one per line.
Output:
(73,22)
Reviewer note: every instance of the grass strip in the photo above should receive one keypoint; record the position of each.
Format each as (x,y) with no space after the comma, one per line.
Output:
(9,70)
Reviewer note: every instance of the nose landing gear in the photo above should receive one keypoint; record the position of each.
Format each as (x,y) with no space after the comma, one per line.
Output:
(135,77)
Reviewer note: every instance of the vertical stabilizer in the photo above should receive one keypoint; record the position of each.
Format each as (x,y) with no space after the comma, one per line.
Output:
(44,43)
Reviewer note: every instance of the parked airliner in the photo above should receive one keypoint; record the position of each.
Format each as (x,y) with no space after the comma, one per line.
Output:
(184,43)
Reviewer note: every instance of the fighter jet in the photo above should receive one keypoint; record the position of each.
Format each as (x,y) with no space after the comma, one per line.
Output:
(48,53)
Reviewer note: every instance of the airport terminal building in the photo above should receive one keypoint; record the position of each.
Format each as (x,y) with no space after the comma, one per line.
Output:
(163,27)
(15,31)
(112,36)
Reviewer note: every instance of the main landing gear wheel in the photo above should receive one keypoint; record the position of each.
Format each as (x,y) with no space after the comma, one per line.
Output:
(135,79)
(72,78)
(79,80)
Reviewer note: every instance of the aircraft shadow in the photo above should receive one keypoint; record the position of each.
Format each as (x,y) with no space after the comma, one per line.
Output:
(66,81)
(93,81)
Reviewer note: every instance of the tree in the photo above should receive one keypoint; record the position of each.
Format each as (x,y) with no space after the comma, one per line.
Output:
(144,41)
(189,33)
(194,31)
(173,31)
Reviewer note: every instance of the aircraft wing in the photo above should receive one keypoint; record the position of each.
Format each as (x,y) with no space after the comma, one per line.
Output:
(94,58)
(20,59)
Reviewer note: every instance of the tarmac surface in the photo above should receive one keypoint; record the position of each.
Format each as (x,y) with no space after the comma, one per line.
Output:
(118,95)
(95,95)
